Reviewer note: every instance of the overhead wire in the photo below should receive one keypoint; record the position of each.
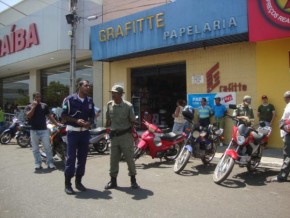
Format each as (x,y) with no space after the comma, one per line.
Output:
(10,6)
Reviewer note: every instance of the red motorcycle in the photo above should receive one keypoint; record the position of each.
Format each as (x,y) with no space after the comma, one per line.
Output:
(168,148)
(244,149)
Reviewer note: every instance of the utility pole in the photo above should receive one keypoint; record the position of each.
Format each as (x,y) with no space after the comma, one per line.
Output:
(73,7)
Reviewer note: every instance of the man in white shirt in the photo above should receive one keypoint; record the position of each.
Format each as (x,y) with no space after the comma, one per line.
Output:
(285,134)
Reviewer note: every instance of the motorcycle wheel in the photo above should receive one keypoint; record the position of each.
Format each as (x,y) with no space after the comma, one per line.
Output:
(23,140)
(176,149)
(5,138)
(209,154)
(181,160)
(101,146)
(223,169)
(138,153)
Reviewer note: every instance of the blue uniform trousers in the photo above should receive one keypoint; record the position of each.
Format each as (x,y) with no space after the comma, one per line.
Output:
(78,143)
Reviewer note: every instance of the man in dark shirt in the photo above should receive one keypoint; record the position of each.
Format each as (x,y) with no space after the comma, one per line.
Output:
(36,114)
(266,111)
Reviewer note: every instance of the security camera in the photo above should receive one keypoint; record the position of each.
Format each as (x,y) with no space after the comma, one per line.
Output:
(69,33)
(93,17)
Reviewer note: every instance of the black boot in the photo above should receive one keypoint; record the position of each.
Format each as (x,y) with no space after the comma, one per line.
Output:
(68,189)
(134,184)
(79,185)
(112,183)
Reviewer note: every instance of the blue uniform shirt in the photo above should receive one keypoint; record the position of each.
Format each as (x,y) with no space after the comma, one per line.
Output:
(74,107)
(219,110)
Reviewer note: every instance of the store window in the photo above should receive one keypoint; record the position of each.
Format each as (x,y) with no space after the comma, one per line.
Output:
(14,92)
(55,82)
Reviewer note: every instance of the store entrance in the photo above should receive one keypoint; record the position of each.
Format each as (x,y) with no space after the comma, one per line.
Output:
(155,90)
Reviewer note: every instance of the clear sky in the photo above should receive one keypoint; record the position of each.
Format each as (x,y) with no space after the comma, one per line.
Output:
(9,2)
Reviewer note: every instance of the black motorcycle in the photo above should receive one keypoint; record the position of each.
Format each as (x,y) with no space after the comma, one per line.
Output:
(201,143)
(10,132)
(23,135)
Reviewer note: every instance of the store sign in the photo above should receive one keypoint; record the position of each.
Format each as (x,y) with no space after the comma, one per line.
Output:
(18,39)
(268,19)
(171,24)
(213,81)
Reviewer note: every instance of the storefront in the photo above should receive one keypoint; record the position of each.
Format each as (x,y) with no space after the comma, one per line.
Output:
(35,53)
(211,43)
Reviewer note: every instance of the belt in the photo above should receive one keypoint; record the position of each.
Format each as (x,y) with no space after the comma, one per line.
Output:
(76,129)
(114,133)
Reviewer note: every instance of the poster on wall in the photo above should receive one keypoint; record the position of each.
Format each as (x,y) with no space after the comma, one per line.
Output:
(268,19)
(227,98)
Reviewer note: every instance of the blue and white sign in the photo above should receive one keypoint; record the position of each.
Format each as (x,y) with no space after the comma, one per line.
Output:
(227,98)
(171,24)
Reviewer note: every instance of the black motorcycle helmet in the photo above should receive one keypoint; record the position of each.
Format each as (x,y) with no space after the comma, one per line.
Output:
(188,113)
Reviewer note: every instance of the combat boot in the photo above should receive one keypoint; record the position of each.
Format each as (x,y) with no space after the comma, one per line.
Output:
(134,184)
(112,183)
(79,185)
(68,189)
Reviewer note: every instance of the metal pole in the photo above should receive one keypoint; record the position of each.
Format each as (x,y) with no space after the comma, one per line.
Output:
(73,5)
(73,58)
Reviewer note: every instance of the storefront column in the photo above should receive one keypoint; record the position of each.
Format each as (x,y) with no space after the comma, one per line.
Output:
(98,89)
(34,83)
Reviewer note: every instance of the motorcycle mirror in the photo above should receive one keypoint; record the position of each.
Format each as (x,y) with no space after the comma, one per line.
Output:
(232,106)
(262,124)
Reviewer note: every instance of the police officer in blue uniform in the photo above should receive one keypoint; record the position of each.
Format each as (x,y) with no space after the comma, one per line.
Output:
(78,114)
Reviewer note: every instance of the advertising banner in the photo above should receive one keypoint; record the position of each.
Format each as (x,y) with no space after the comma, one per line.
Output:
(227,98)
(268,19)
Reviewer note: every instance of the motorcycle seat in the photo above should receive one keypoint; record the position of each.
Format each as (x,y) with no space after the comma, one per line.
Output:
(98,131)
(171,136)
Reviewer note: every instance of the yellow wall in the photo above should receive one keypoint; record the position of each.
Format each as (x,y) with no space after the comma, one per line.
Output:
(273,76)
(237,64)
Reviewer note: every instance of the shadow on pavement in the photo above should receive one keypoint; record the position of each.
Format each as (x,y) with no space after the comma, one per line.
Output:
(198,169)
(258,177)
(93,194)
(160,164)
(137,194)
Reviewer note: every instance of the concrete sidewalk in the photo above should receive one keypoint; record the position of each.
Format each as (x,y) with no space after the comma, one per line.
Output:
(272,157)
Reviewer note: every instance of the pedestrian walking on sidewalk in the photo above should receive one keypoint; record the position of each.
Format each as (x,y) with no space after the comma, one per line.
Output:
(285,134)
(36,113)
(120,118)
(78,114)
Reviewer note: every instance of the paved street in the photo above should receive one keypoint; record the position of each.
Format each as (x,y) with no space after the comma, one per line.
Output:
(24,193)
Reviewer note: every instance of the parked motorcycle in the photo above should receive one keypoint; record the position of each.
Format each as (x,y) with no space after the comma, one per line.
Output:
(201,143)
(23,135)
(168,148)
(58,141)
(244,149)
(10,132)
(99,140)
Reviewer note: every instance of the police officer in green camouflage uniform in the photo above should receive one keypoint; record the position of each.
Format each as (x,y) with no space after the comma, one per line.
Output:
(120,118)
(244,110)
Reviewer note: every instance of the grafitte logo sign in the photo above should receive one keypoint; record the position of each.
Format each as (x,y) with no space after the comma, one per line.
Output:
(277,12)
(213,81)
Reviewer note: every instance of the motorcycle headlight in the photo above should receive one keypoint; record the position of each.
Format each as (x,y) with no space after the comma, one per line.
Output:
(241,140)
